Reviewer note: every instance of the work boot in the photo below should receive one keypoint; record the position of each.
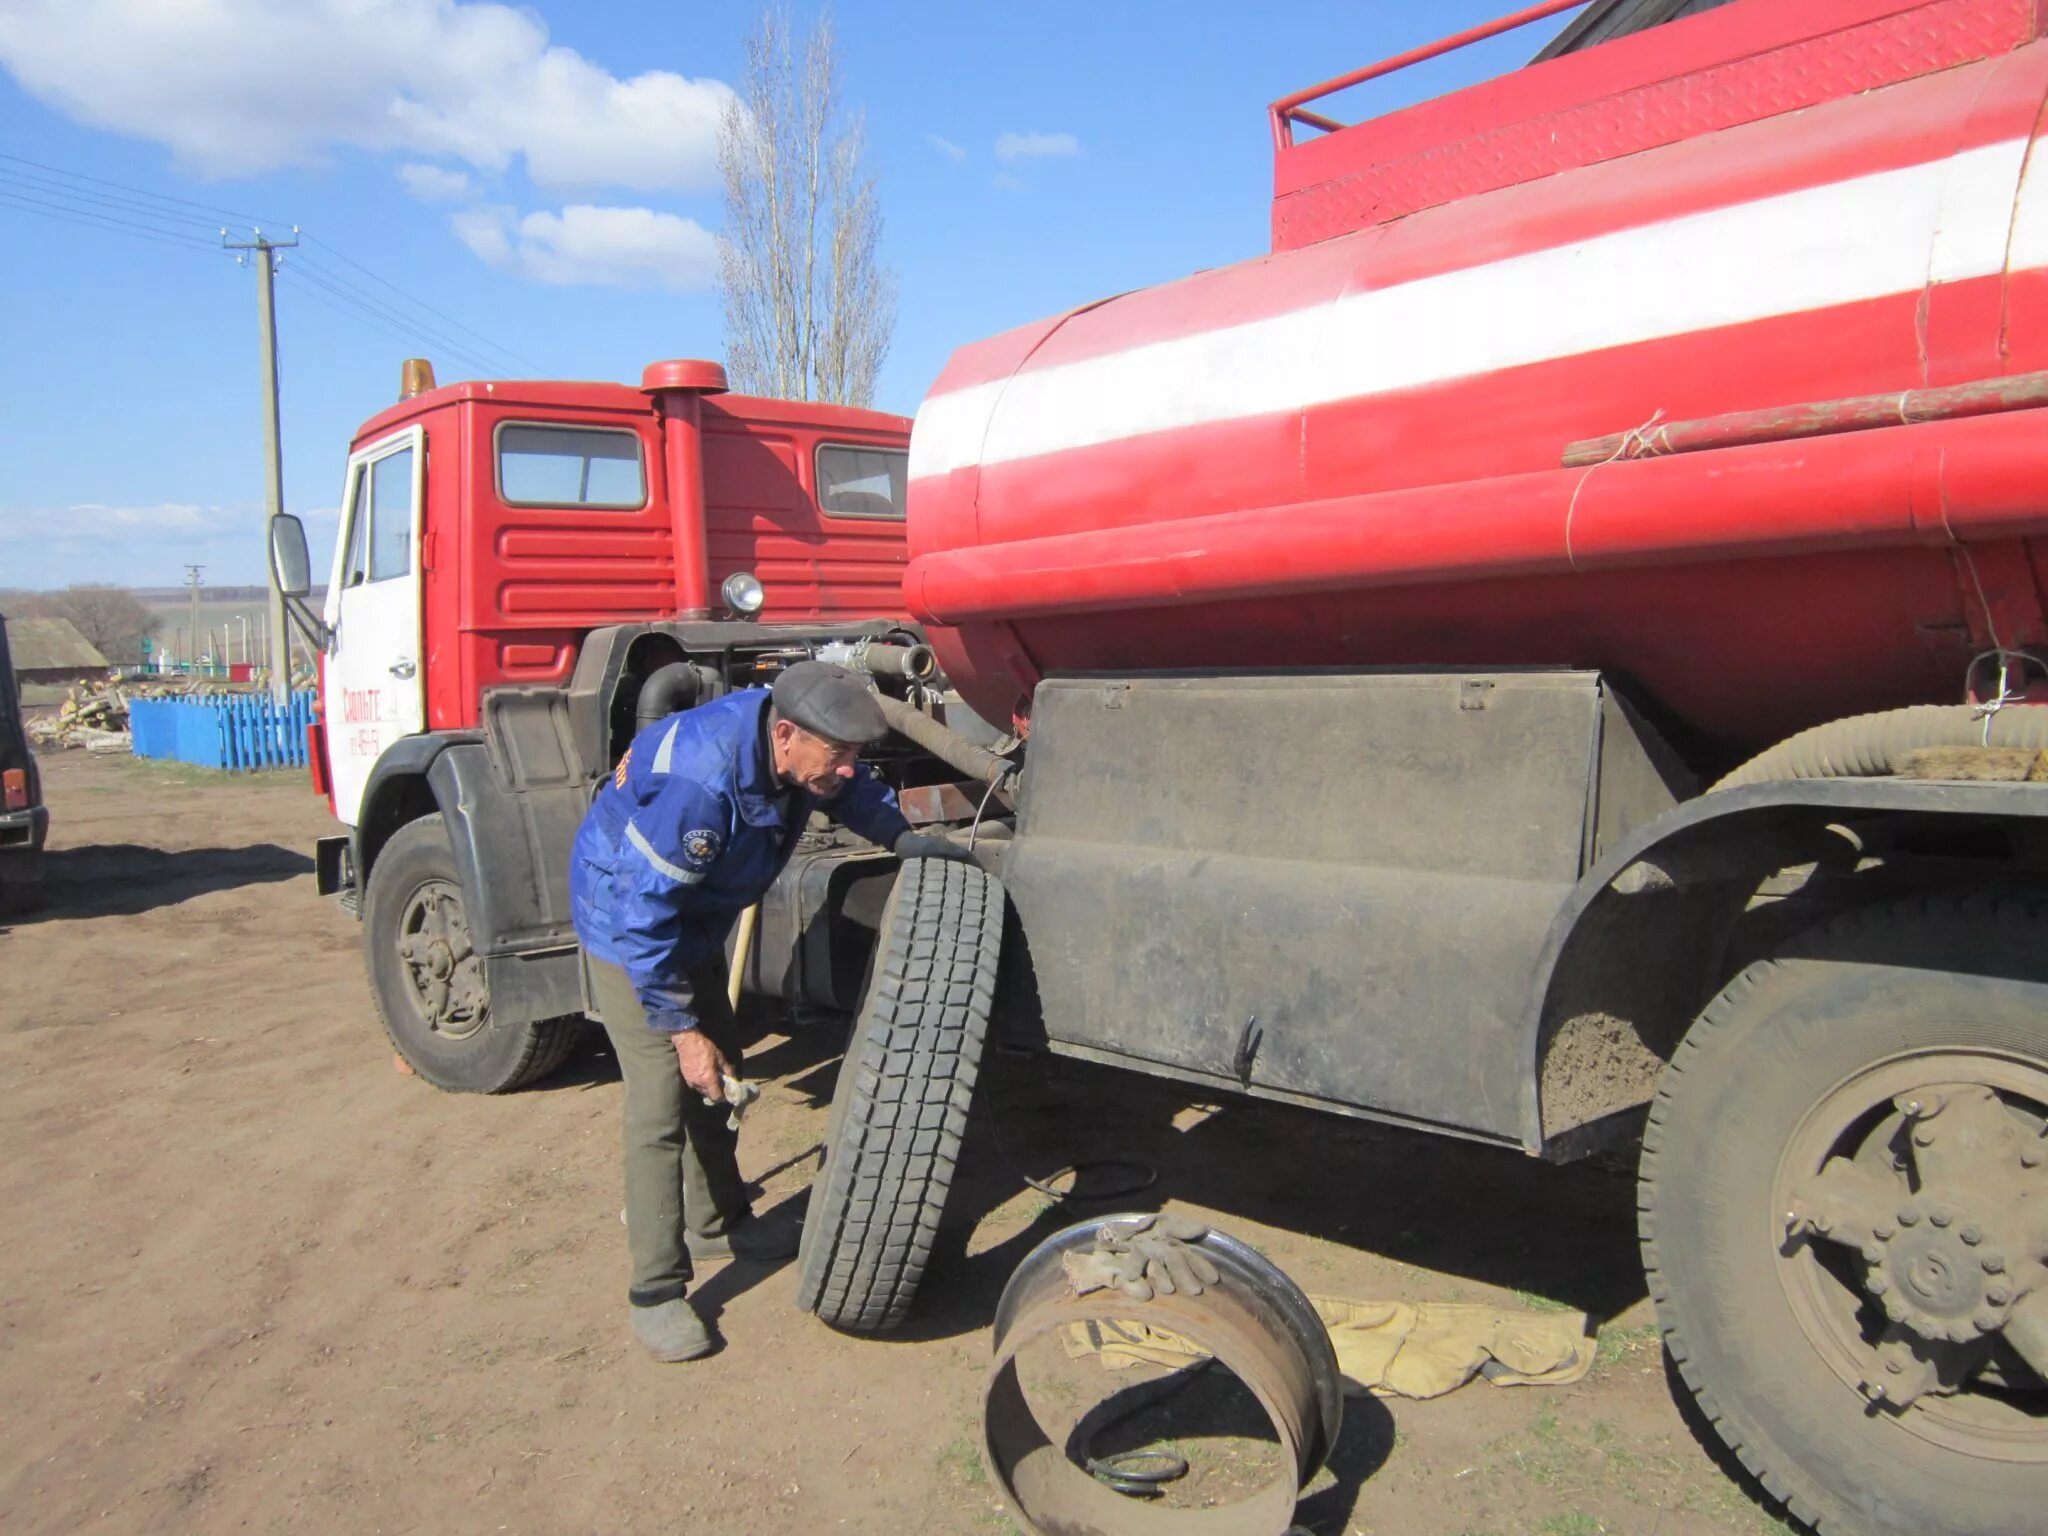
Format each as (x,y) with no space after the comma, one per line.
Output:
(750,1239)
(672,1331)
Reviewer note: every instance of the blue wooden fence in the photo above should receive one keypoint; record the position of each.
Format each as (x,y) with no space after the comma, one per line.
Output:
(227,730)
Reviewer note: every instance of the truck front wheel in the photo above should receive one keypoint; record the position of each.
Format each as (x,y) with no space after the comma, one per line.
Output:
(429,981)
(899,1111)
(1844,1215)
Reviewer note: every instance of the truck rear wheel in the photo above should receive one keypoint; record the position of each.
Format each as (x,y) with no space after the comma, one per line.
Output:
(428,979)
(900,1109)
(1843,1190)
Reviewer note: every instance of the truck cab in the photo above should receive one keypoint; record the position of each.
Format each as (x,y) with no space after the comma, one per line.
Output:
(489,528)
(524,572)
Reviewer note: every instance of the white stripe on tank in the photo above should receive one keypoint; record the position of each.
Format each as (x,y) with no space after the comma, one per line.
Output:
(1865,237)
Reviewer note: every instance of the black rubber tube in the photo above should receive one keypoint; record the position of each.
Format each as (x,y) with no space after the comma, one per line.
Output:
(1874,746)
(915,662)
(944,743)
(679,685)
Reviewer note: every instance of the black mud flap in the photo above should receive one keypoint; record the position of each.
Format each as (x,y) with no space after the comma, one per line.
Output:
(334,870)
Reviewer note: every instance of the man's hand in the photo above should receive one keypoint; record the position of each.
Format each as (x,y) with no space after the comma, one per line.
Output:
(704,1065)
(929,845)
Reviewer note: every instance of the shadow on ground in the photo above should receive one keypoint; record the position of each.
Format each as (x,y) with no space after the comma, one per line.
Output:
(1484,1214)
(126,879)
(1458,1209)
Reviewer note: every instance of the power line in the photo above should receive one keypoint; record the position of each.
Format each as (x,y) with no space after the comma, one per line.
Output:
(316,240)
(297,276)
(53,192)
(335,283)
(393,321)
(47,186)
(92,220)
(211,210)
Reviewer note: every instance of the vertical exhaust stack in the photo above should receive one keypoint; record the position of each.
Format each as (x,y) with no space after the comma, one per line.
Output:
(678,387)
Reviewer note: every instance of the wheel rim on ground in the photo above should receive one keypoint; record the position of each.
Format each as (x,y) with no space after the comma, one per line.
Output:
(1910,1213)
(443,973)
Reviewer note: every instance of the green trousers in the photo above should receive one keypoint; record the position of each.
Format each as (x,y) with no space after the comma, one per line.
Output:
(682,1167)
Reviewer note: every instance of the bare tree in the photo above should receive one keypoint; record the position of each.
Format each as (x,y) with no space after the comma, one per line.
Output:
(808,309)
(112,619)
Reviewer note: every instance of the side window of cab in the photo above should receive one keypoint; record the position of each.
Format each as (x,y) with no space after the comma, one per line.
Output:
(380,520)
(860,481)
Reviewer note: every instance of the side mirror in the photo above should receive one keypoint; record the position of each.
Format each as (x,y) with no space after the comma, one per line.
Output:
(289,561)
(292,567)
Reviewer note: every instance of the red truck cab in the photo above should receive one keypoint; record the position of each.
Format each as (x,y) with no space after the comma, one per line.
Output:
(490,526)
(525,573)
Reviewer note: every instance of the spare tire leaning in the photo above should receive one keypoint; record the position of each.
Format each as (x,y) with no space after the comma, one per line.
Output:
(900,1109)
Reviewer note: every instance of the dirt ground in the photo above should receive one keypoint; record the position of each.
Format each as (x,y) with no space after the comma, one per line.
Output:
(255,1280)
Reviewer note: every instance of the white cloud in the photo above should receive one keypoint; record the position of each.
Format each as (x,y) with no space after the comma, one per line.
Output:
(484,231)
(1035,146)
(616,247)
(235,87)
(435,184)
(946,147)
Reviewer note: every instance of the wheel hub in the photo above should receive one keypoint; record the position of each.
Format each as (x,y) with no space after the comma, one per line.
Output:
(1941,1275)
(444,972)
(1948,1229)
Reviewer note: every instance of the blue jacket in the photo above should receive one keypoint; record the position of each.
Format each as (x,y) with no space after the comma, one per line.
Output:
(688,832)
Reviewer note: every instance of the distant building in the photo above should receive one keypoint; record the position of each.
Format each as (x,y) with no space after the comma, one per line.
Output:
(52,651)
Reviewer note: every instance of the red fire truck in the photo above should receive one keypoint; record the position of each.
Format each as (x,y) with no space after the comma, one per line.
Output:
(524,570)
(1546,655)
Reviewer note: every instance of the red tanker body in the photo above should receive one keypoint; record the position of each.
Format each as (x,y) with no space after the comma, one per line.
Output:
(1350,451)
(1379,610)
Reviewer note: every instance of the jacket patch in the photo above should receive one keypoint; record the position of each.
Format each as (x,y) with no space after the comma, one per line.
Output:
(701,848)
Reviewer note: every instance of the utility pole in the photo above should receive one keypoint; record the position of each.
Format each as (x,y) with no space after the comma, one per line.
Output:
(192,629)
(273,501)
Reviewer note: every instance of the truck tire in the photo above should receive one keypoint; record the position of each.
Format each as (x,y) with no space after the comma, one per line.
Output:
(900,1109)
(1862,1337)
(429,983)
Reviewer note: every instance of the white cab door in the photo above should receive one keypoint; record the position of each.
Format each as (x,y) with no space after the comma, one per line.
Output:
(375,689)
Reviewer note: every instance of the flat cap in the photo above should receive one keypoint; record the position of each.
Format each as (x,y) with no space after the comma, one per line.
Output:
(830,701)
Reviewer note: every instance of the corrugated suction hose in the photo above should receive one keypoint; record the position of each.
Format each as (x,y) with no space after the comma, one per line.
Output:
(1874,746)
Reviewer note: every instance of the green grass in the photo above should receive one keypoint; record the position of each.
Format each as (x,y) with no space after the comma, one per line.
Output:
(960,1459)
(1536,1303)
(187,776)
(1617,1342)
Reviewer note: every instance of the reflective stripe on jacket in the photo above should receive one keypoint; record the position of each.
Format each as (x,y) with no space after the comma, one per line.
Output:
(688,832)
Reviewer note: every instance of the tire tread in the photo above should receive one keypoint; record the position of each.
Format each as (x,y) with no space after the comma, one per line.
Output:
(907,1079)
(1891,931)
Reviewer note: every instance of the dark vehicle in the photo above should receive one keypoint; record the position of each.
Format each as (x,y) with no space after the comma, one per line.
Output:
(24,820)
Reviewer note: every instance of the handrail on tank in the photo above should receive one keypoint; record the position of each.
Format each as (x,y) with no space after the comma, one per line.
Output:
(1287,111)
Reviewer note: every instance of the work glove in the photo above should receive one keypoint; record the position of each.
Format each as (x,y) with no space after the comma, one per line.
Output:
(929,845)
(1156,1255)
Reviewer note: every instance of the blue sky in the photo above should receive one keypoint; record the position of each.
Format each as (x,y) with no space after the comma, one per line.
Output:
(543,178)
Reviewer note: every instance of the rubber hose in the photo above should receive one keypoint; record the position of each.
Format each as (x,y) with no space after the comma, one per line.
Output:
(949,746)
(679,685)
(915,662)
(1873,746)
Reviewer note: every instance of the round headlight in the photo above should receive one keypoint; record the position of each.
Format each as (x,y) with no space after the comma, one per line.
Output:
(743,594)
